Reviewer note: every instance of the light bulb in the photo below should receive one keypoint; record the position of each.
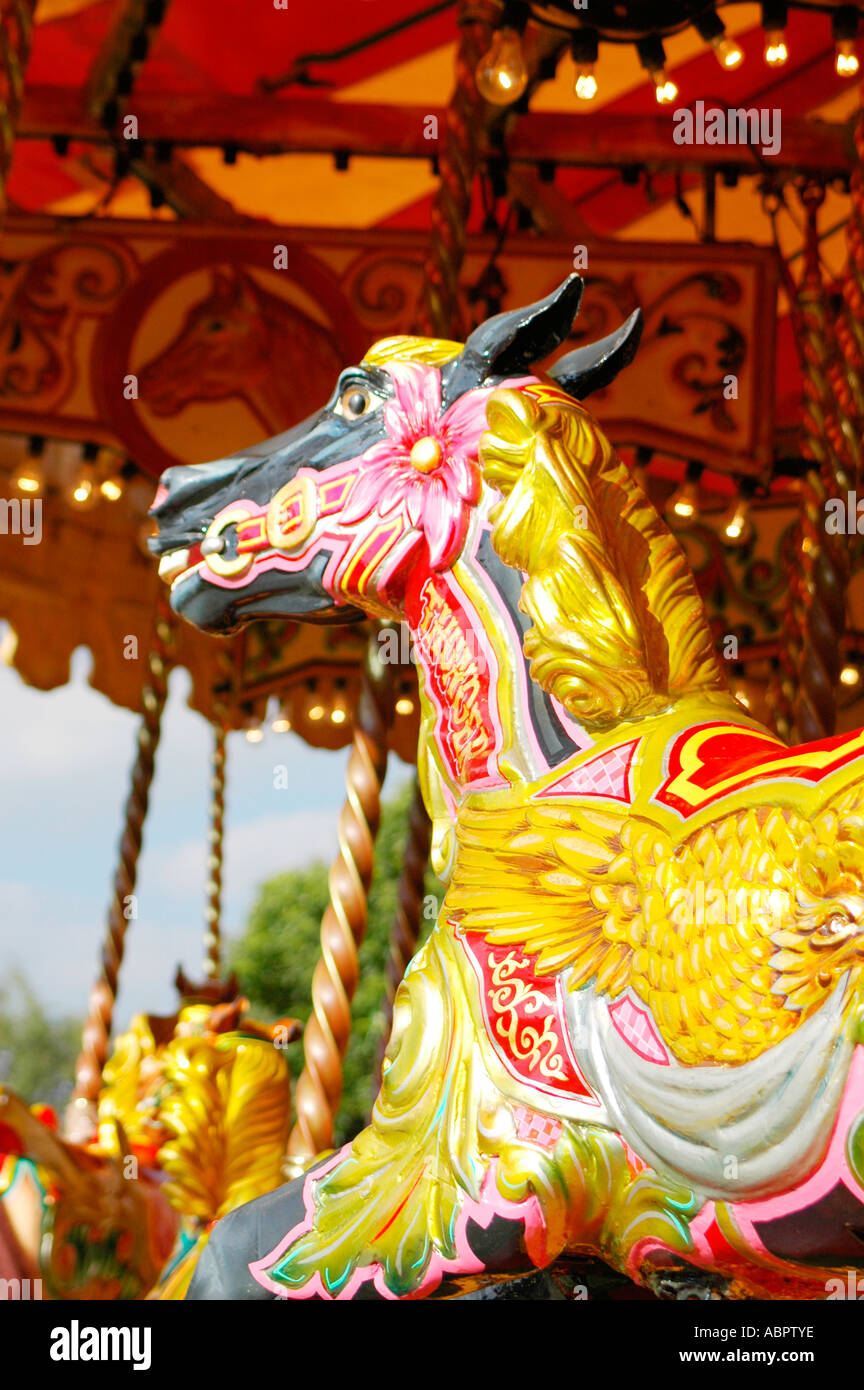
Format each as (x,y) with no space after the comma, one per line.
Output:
(281,726)
(727,52)
(776,52)
(316,713)
(254,735)
(664,88)
(738,528)
(111,488)
(29,479)
(83,493)
(652,56)
(501,74)
(404,705)
(846,62)
(586,82)
(338,715)
(850,675)
(684,502)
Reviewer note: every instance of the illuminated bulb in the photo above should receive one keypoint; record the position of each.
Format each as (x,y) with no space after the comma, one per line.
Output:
(254,735)
(743,698)
(338,716)
(738,528)
(850,675)
(713,31)
(727,52)
(316,712)
(734,528)
(664,88)
(846,62)
(111,488)
(776,52)
(501,74)
(685,502)
(83,493)
(586,82)
(29,479)
(404,705)
(281,726)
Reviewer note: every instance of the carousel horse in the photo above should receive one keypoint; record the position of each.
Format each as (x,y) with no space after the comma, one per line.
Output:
(635,1030)
(192,1121)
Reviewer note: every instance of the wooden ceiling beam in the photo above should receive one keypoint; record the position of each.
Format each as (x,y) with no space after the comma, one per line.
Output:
(267,125)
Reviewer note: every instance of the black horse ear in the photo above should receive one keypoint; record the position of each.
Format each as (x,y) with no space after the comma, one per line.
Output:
(593,366)
(510,344)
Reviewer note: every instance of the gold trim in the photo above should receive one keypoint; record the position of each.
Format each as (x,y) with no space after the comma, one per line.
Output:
(288,538)
(227,569)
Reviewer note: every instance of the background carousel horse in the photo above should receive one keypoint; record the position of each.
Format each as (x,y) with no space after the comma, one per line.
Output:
(228,345)
(193,1121)
(635,1029)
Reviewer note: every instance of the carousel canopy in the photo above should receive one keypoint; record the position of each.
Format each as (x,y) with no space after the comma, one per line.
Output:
(210,212)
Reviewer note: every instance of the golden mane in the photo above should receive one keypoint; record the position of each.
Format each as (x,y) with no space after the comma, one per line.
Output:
(618,627)
(432,352)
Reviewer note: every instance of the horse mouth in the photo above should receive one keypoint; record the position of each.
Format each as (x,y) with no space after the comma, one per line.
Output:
(175,563)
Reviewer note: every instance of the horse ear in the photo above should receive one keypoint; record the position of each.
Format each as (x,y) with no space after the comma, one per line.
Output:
(509,344)
(225,282)
(589,368)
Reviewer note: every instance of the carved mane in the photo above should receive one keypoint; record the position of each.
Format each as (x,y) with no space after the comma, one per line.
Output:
(619,629)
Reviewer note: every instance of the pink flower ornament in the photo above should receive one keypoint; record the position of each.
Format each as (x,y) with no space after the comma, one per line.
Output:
(427,465)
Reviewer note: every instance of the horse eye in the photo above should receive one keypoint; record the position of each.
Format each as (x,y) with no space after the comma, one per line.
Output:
(354,402)
(215,325)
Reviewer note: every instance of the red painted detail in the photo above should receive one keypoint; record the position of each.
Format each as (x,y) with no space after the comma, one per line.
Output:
(9,1141)
(458,677)
(524,1020)
(47,1115)
(703,770)
(607,775)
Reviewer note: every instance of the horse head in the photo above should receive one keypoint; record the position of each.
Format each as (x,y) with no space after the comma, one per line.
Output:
(234,342)
(328,518)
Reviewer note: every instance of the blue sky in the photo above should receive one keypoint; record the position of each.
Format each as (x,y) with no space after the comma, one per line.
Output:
(66,756)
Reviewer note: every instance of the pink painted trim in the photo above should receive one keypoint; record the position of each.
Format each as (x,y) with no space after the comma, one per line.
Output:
(833,1169)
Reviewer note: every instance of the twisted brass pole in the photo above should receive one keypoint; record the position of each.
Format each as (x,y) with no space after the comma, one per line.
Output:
(457,164)
(343,926)
(409,908)
(16,29)
(215,841)
(802,694)
(81,1112)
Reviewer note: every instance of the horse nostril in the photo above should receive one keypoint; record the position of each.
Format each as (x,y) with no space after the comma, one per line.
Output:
(161,496)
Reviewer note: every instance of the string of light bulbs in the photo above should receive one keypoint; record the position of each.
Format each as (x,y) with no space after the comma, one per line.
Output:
(502,74)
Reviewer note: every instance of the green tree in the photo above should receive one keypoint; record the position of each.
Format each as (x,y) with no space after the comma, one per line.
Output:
(276,955)
(37,1052)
